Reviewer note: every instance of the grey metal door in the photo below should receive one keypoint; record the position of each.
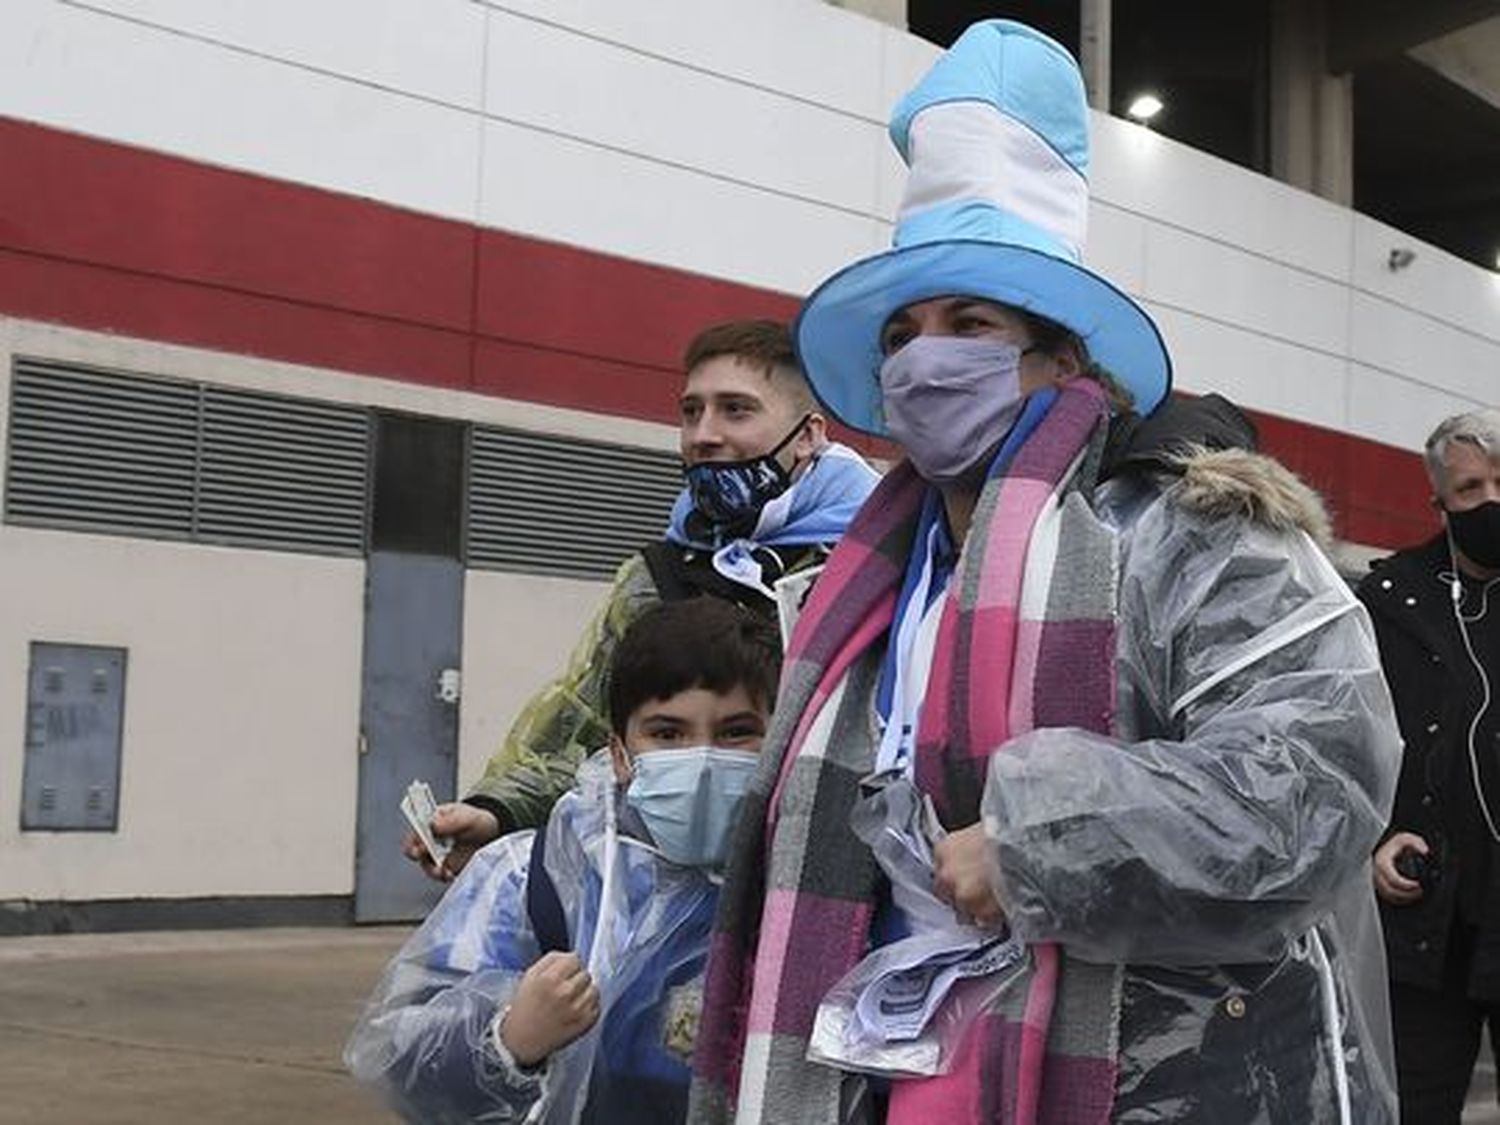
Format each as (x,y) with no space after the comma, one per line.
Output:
(413,633)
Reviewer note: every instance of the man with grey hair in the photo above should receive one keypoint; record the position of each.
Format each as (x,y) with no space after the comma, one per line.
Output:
(1437,869)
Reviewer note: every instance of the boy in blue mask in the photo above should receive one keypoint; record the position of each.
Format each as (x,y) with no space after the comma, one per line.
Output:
(560,979)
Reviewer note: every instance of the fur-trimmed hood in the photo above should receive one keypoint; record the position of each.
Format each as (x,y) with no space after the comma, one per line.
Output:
(1237,482)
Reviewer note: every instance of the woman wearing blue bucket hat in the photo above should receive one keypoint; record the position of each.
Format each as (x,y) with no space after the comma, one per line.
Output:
(1067,807)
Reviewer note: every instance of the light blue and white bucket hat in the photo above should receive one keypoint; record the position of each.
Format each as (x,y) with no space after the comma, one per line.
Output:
(996,137)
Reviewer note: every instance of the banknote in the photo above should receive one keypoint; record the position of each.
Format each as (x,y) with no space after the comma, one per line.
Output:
(418,806)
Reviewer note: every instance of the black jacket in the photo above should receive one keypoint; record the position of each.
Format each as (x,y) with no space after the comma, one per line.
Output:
(1178,426)
(688,572)
(1435,690)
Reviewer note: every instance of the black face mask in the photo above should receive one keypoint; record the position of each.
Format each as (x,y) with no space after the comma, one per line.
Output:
(1476,532)
(730,494)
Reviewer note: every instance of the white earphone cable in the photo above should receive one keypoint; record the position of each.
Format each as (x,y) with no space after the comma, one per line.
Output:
(1456,592)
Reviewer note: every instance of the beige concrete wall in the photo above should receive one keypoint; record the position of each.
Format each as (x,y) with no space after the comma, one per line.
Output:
(240,771)
(239,765)
(519,630)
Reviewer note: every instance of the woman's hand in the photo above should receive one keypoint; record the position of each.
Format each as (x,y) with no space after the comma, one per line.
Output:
(961,877)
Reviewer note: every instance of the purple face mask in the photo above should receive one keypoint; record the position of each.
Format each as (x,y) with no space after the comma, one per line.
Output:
(949,400)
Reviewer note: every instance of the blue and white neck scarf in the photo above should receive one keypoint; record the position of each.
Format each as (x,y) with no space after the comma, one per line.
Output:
(815,509)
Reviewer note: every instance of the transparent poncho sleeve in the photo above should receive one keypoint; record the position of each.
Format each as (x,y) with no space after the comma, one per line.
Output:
(425,1036)
(1255,770)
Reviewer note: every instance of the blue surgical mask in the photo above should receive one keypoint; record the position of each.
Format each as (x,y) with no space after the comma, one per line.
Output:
(950,400)
(688,800)
(731,494)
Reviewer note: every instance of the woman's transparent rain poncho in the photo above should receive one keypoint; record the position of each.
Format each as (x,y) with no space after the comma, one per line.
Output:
(1236,829)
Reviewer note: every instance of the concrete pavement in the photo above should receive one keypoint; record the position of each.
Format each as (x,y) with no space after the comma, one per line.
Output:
(237,1027)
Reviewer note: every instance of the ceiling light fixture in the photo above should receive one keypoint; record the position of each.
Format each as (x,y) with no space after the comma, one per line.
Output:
(1144,107)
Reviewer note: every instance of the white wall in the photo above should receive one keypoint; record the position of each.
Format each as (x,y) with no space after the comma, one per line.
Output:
(1285,301)
(745,140)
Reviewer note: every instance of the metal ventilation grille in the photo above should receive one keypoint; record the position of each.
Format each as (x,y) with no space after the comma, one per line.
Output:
(554,505)
(282,472)
(98,451)
(101,452)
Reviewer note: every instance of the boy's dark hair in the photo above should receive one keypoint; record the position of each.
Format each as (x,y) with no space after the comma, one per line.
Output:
(703,642)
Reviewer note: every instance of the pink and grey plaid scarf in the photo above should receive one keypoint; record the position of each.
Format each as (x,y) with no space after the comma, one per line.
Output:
(1023,642)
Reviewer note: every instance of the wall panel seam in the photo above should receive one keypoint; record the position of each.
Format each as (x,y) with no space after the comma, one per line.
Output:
(683,64)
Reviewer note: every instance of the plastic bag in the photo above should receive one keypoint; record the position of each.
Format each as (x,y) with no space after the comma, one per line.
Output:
(905,1009)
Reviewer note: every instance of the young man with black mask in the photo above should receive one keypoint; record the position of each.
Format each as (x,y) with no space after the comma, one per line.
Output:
(1436,870)
(766,494)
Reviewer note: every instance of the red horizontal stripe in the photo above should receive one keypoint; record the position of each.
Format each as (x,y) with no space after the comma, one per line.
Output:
(101,236)
(1378,494)
(184,312)
(578,301)
(538,374)
(83,200)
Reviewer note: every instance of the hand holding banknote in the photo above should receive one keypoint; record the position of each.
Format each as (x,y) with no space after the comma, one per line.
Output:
(456,831)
